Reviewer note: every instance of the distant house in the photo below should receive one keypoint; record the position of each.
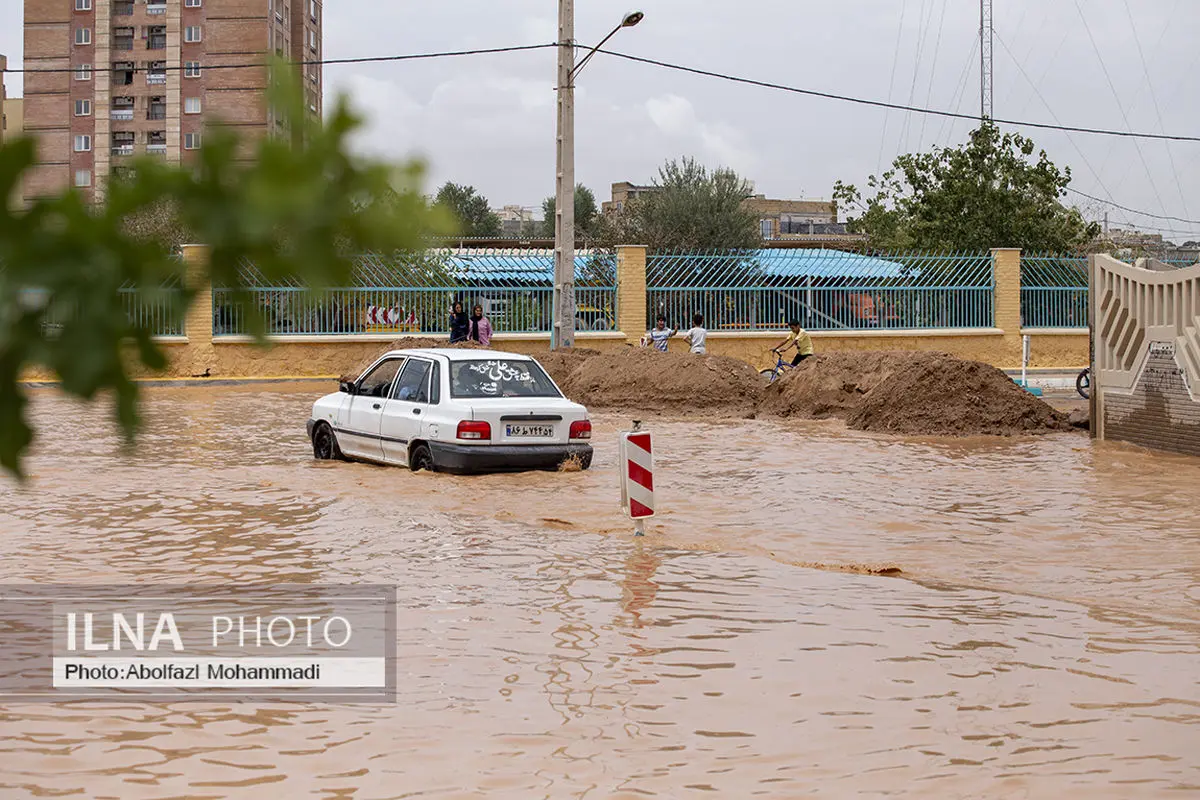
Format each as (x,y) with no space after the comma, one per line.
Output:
(515,221)
(622,194)
(784,220)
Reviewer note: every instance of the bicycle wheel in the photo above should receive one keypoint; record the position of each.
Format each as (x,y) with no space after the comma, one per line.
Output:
(1083,383)
(769,374)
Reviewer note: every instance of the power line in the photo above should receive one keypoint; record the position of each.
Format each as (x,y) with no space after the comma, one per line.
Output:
(1124,115)
(896,106)
(1037,93)
(1134,210)
(891,83)
(324,62)
(664,65)
(1157,109)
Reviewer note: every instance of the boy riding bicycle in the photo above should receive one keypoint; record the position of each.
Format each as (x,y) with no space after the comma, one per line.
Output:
(798,339)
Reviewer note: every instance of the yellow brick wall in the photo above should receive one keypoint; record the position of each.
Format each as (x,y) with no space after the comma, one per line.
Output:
(631,291)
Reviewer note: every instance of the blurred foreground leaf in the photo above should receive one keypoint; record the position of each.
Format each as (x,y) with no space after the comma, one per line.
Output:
(298,207)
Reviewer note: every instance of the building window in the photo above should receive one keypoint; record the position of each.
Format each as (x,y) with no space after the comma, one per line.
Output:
(192,33)
(83,108)
(312,40)
(83,144)
(83,177)
(191,141)
(765,226)
(192,3)
(191,69)
(83,72)
(191,105)
(83,5)
(83,36)
(312,10)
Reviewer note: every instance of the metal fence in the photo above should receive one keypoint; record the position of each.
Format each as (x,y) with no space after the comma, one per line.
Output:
(1054,291)
(158,309)
(414,294)
(822,289)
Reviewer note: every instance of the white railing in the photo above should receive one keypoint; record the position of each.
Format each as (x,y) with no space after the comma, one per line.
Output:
(121,114)
(156,78)
(156,9)
(122,150)
(156,149)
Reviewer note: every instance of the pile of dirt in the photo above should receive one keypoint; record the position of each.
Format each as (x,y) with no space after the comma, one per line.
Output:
(908,392)
(561,364)
(670,383)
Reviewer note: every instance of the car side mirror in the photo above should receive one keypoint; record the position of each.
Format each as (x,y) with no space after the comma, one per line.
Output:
(348,387)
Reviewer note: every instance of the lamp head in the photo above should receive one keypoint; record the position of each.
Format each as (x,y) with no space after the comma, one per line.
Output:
(631,19)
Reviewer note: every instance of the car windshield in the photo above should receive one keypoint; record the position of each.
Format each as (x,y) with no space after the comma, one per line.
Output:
(499,377)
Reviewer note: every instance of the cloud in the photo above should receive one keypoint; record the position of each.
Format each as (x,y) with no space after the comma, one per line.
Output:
(720,142)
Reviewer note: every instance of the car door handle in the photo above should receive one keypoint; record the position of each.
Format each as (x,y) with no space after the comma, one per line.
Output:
(377,406)
(416,411)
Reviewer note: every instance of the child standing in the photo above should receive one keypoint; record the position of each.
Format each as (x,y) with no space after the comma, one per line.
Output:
(658,337)
(696,335)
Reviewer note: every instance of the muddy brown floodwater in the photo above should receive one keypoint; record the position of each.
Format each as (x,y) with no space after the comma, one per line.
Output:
(1042,640)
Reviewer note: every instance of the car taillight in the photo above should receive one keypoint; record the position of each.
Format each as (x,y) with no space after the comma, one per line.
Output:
(581,429)
(470,429)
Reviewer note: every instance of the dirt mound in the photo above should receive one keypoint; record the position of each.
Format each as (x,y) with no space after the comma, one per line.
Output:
(915,393)
(561,364)
(671,383)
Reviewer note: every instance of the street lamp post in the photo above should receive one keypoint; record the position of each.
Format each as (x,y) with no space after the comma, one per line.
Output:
(563,325)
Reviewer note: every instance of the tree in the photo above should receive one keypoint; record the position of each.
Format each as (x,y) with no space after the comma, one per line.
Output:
(585,212)
(470,210)
(689,209)
(988,193)
(299,214)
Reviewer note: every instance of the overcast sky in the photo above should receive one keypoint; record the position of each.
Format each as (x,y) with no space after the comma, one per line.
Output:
(489,120)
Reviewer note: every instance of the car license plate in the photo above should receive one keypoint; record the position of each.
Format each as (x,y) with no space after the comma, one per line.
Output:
(530,431)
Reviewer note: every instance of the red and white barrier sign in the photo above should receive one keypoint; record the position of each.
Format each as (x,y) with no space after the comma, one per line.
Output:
(636,456)
(389,317)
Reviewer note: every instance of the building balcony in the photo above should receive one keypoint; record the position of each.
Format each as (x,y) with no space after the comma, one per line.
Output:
(156,78)
(122,44)
(121,114)
(156,149)
(156,113)
(156,43)
(122,8)
(156,8)
(122,150)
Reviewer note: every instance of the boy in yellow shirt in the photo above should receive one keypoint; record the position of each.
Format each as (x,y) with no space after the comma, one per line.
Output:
(799,339)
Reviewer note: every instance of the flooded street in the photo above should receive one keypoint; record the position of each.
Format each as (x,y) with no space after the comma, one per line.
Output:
(1041,641)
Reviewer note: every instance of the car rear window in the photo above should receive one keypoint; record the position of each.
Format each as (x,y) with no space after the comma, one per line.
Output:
(499,377)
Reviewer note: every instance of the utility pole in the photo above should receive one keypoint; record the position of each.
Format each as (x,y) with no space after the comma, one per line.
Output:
(987,38)
(562,333)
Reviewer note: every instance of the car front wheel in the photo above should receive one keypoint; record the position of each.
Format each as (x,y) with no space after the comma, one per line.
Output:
(325,446)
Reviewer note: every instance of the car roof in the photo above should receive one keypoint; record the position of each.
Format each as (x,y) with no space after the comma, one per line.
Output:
(460,354)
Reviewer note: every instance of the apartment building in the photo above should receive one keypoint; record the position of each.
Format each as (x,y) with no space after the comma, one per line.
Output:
(108,80)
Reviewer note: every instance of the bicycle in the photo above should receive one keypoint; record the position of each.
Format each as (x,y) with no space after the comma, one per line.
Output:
(1083,383)
(780,368)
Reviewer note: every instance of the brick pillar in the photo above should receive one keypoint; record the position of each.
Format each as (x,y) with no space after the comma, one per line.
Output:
(1006,263)
(199,356)
(631,291)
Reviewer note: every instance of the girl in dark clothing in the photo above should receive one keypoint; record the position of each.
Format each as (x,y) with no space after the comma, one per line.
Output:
(460,324)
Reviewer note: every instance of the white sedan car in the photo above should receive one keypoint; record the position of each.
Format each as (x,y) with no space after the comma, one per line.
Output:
(452,410)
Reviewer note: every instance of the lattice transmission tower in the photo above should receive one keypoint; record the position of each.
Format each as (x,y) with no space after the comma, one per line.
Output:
(987,37)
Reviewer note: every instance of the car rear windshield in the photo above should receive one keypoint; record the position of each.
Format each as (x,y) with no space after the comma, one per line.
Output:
(500,377)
